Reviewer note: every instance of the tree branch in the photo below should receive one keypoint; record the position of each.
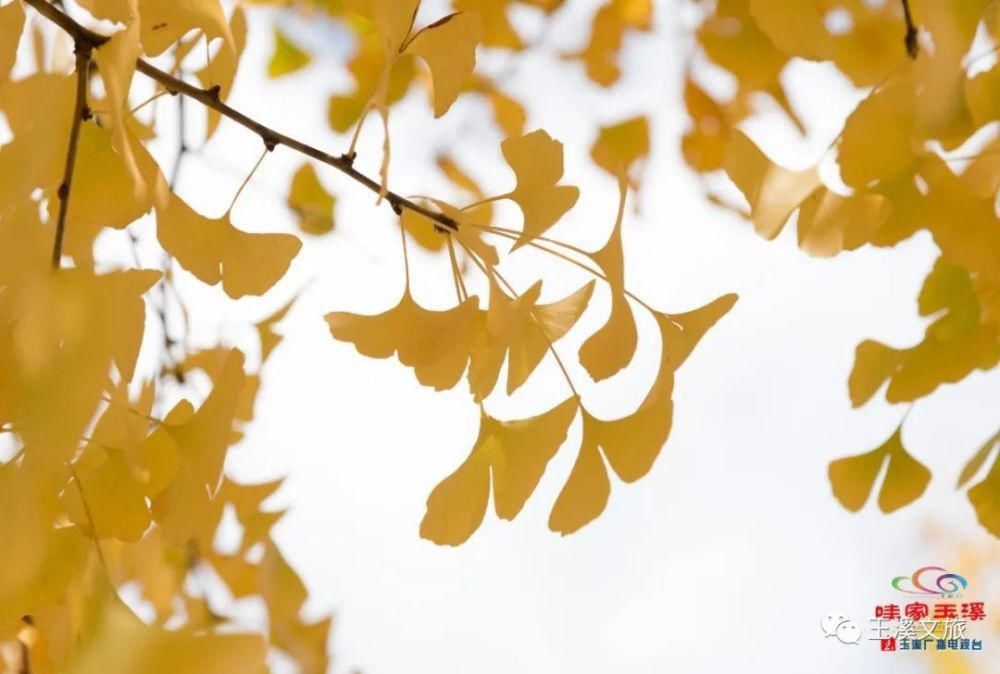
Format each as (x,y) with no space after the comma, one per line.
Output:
(271,138)
(912,45)
(80,112)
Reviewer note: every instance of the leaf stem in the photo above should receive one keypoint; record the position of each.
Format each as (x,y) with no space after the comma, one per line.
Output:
(246,180)
(84,51)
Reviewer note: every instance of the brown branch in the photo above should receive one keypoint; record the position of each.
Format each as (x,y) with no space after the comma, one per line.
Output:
(912,46)
(80,112)
(271,138)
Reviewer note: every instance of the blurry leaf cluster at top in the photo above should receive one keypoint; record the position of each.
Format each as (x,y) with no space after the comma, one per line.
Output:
(126,542)
(919,153)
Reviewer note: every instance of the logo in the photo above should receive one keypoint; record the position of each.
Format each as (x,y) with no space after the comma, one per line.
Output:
(836,624)
(937,618)
(932,581)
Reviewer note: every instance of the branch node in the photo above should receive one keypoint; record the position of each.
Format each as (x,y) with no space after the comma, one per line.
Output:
(270,142)
(349,157)
(215,92)
(396,207)
(86,113)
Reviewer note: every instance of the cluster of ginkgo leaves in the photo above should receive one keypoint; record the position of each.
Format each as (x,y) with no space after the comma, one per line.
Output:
(920,152)
(113,487)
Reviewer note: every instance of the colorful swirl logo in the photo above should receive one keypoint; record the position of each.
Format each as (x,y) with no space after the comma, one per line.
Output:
(925,582)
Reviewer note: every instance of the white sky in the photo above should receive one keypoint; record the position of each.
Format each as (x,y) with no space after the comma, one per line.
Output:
(727,554)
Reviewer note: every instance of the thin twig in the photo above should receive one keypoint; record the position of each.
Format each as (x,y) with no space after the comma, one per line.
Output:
(84,51)
(912,34)
(271,138)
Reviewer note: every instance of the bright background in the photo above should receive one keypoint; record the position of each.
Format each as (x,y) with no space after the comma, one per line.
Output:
(722,559)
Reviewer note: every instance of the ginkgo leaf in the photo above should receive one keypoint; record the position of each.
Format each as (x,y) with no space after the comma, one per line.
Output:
(508,113)
(611,348)
(448,46)
(59,364)
(11,27)
(497,29)
(772,191)
(286,58)
(586,492)
(36,156)
(122,11)
(106,501)
(620,145)
(515,453)
(214,250)
(436,344)
(311,202)
(610,23)
(116,63)
(853,478)
(537,162)
(523,331)
(269,339)
(874,363)
(875,144)
(156,650)
(985,498)
(393,18)
(799,32)
(682,332)
(39,560)
(456,507)
(704,144)
(978,460)
(830,223)
(219,73)
(164,22)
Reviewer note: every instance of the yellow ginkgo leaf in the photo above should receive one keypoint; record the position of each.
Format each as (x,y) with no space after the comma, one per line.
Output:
(985,498)
(282,589)
(114,10)
(853,478)
(116,62)
(11,27)
(704,144)
(448,46)
(456,507)
(537,162)
(39,559)
(800,31)
(311,202)
(106,501)
(497,29)
(286,58)
(393,19)
(610,23)
(620,145)
(213,363)
(874,363)
(682,332)
(508,113)
(516,453)
(36,156)
(585,494)
(269,339)
(772,191)
(978,460)
(116,641)
(611,347)
(830,223)
(522,331)
(436,344)
(213,249)
(247,500)
(220,71)
(875,145)
(164,22)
